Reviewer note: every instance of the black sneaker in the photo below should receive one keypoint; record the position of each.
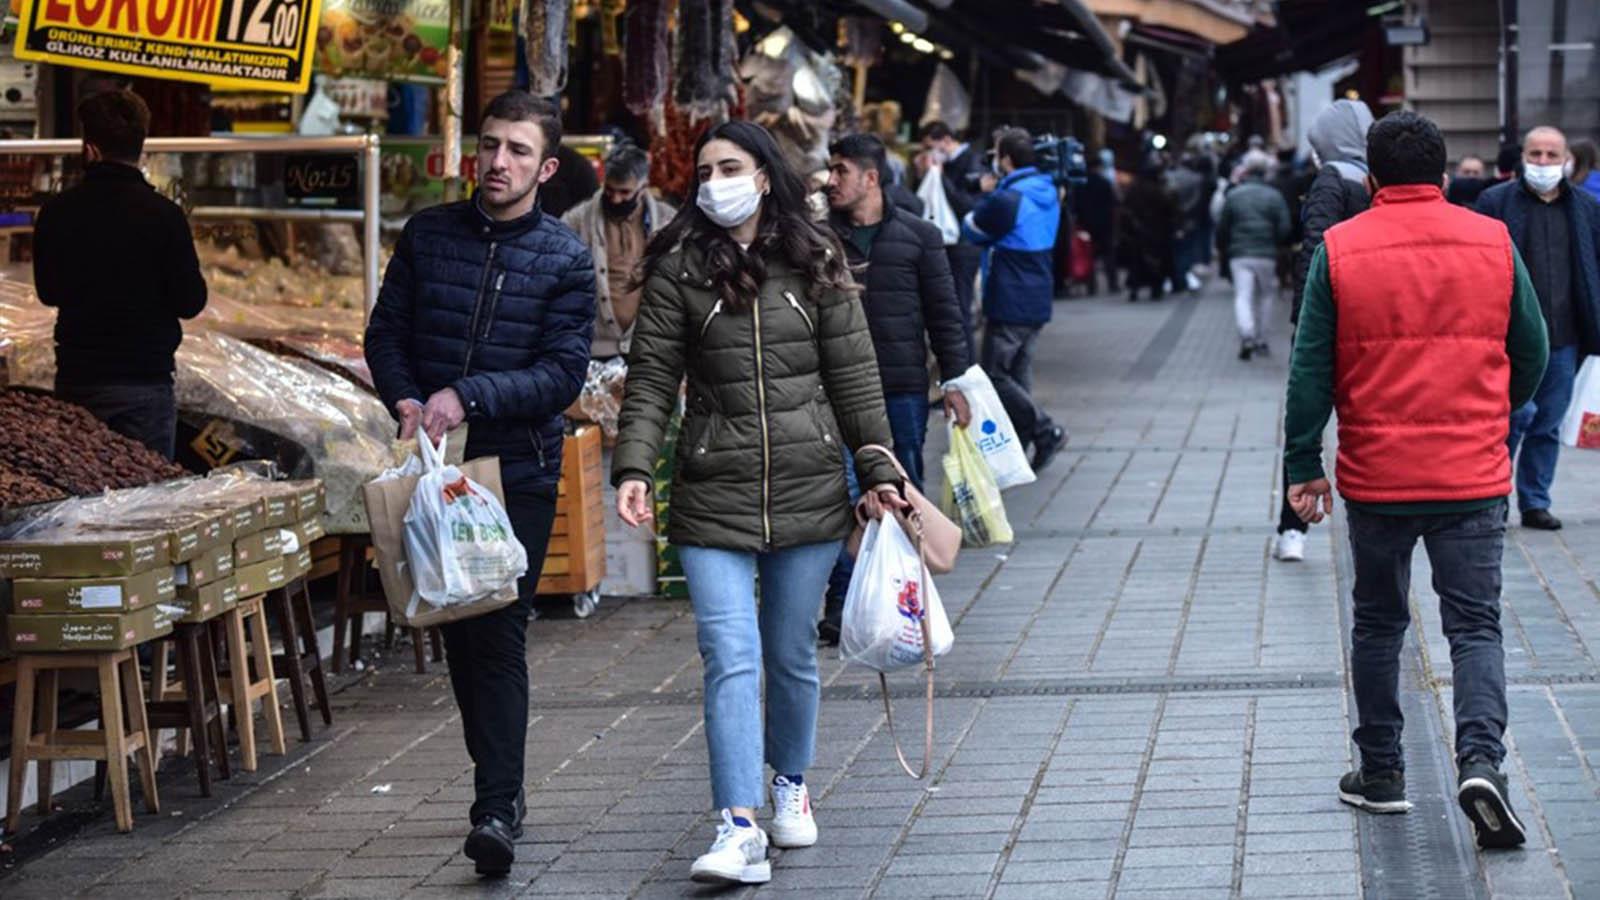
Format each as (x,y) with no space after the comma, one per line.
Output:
(1262,349)
(1245,349)
(1380,792)
(1484,797)
(1046,449)
(491,845)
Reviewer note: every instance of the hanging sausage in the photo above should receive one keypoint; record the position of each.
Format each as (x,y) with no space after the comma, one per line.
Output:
(545,24)
(645,61)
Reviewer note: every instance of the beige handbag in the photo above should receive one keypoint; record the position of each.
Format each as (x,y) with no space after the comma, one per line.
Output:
(938,540)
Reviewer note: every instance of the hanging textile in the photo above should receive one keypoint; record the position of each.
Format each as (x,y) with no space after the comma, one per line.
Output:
(705,48)
(646,65)
(546,24)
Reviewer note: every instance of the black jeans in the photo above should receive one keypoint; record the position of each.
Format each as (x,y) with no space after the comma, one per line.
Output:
(1464,550)
(147,413)
(488,658)
(1008,361)
(965,261)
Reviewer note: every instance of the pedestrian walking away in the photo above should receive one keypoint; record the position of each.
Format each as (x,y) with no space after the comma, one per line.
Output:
(1338,192)
(485,316)
(1557,229)
(1017,220)
(1148,228)
(1429,368)
(755,305)
(1253,226)
(910,303)
(118,328)
(1095,209)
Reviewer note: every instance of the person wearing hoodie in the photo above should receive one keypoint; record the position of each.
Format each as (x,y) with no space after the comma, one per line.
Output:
(1339,142)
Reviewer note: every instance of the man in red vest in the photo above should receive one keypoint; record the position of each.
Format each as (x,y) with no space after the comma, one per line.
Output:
(1420,325)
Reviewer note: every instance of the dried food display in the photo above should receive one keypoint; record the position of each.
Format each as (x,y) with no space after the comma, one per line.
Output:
(545,25)
(64,447)
(646,63)
(271,282)
(601,399)
(18,489)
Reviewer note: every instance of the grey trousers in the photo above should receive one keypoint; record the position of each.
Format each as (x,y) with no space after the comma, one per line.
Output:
(1008,361)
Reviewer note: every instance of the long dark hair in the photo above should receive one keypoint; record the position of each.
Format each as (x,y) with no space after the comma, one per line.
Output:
(786,228)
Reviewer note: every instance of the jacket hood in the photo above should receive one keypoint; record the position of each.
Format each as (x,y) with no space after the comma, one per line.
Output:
(1029,180)
(1339,133)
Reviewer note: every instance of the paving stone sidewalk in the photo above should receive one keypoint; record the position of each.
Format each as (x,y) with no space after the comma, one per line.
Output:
(1140,704)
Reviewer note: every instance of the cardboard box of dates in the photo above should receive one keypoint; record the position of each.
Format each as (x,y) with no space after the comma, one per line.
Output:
(88,631)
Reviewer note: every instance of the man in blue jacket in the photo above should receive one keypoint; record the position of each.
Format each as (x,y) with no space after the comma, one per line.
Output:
(1557,231)
(485,316)
(1017,220)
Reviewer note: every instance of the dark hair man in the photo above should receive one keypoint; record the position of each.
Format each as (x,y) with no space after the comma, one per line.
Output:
(1429,368)
(1557,229)
(616,223)
(957,164)
(485,315)
(118,322)
(1017,220)
(910,302)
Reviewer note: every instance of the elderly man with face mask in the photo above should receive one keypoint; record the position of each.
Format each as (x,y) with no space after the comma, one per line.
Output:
(485,316)
(616,223)
(1557,230)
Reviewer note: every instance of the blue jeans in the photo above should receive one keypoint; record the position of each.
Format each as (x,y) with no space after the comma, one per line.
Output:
(1464,550)
(1537,427)
(908,423)
(738,641)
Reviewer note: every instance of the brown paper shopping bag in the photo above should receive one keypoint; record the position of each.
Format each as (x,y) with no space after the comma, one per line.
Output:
(387,502)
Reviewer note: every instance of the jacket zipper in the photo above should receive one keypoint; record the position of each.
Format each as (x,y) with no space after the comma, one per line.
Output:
(797,308)
(494,303)
(706,325)
(538,446)
(477,308)
(766,448)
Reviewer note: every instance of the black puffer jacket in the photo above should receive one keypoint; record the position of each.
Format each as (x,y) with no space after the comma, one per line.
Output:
(1331,199)
(909,293)
(501,311)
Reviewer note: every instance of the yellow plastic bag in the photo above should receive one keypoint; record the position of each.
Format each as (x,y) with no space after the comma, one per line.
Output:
(971,497)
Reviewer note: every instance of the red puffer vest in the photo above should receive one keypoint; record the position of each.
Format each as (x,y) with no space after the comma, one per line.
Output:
(1422,293)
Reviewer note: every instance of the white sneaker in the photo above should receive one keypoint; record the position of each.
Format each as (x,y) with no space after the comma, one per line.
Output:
(737,856)
(1291,546)
(792,824)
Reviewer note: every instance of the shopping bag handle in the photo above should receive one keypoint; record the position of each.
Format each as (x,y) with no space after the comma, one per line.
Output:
(432,457)
(927,672)
(910,518)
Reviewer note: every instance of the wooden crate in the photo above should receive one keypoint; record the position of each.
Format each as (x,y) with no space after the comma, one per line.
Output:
(324,558)
(576,559)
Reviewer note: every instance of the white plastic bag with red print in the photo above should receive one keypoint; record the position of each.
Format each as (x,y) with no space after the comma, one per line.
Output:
(1581,427)
(890,592)
(458,537)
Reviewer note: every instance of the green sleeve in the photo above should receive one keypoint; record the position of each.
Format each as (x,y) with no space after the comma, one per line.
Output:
(1527,339)
(1310,400)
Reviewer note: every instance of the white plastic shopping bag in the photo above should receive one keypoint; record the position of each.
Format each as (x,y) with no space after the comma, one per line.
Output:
(881,627)
(992,430)
(1581,427)
(458,538)
(936,206)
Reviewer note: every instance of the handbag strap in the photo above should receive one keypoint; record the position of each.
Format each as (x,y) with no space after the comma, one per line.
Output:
(927,672)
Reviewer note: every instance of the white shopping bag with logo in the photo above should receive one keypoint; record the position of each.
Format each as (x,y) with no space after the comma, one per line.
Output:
(992,431)
(890,593)
(458,537)
(1581,427)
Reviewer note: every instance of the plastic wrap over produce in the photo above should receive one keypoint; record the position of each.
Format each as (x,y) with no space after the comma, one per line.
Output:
(601,400)
(346,431)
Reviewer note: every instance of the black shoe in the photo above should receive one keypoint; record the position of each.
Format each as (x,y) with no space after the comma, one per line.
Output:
(1381,792)
(491,844)
(828,633)
(1484,797)
(1263,349)
(1245,349)
(1045,450)
(521,813)
(1540,519)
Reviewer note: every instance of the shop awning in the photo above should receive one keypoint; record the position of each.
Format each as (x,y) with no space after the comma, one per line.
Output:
(1217,21)
(1064,32)
(1308,35)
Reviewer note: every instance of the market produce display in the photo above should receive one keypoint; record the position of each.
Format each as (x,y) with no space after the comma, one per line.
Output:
(50,449)
(271,282)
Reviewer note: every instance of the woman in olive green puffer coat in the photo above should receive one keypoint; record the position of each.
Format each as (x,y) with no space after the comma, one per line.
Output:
(752,302)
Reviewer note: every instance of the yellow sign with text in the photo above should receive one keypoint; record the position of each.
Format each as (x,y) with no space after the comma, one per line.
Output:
(259,45)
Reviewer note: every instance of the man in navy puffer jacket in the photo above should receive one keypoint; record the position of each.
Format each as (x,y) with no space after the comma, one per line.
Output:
(485,316)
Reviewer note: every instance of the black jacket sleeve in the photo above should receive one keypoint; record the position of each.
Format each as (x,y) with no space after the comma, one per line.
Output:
(549,386)
(940,308)
(47,275)
(389,330)
(185,285)
(1323,208)
(954,174)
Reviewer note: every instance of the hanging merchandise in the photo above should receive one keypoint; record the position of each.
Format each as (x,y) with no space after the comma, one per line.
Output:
(545,28)
(948,101)
(790,92)
(862,40)
(610,37)
(646,67)
(392,41)
(704,71)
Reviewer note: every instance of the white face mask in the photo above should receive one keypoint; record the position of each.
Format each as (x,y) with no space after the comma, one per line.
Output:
(1541,178)
(729,202)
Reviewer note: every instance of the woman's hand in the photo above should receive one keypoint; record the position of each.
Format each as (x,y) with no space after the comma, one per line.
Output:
(881,499)
(633,503)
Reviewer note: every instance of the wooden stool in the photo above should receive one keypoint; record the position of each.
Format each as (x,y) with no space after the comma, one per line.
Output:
(244,688)
(353,600)
(121,690)
(301,656)
(194,706)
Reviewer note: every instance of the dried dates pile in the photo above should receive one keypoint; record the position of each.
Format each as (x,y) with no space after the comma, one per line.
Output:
(50,450)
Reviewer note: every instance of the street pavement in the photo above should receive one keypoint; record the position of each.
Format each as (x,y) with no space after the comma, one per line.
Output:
(1140,703)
